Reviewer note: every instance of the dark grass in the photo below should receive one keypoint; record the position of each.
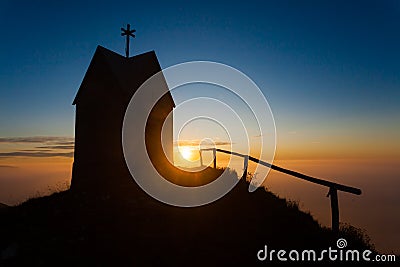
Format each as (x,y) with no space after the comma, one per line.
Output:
(126,227)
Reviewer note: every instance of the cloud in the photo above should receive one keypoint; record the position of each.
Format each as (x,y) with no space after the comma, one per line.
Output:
(36,150)
(39,146)
(62,140)
(222,143)
(66,143)
(204,142)
(56,147)
(8,167)
(35,154)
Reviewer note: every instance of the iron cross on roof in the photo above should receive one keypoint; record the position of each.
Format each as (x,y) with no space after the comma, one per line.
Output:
(128,33)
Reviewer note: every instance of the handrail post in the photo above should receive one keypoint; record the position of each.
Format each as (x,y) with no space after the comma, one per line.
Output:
(245,165)
(215,157)
(201,158)
(334,208)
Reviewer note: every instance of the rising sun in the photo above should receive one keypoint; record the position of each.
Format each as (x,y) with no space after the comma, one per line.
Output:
(186,152)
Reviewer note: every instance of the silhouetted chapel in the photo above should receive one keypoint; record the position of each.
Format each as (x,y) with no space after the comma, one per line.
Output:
(101,102)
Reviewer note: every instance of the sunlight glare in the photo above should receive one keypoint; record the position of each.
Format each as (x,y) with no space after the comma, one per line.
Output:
(186,152)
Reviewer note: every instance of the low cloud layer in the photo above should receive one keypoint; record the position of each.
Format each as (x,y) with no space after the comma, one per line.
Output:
(8,167)
(197,142)
(56,147)
(62,140)
(35,154)
(37,146)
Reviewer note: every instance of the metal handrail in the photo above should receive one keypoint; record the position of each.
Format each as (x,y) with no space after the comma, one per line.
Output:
(333,187)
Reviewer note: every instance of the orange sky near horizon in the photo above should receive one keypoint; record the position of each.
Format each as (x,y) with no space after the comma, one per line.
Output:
(22,177)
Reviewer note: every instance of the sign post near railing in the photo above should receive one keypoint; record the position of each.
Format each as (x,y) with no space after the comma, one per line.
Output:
(333,187)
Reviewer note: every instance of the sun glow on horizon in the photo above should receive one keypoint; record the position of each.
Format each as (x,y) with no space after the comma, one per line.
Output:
(186,152)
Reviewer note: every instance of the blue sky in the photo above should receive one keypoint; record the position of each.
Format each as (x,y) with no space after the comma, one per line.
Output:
(323,65)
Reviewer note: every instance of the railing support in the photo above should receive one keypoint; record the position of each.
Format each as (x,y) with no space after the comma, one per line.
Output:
(201,158)
(245,166)
(215,157)
(334,208)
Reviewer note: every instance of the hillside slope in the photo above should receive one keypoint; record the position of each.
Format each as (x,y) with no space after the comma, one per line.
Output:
(132,229)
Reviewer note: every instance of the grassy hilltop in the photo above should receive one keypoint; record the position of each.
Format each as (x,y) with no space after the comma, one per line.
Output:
(129,228)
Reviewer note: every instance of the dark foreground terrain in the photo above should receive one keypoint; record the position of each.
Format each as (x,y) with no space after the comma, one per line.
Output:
(129,228)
